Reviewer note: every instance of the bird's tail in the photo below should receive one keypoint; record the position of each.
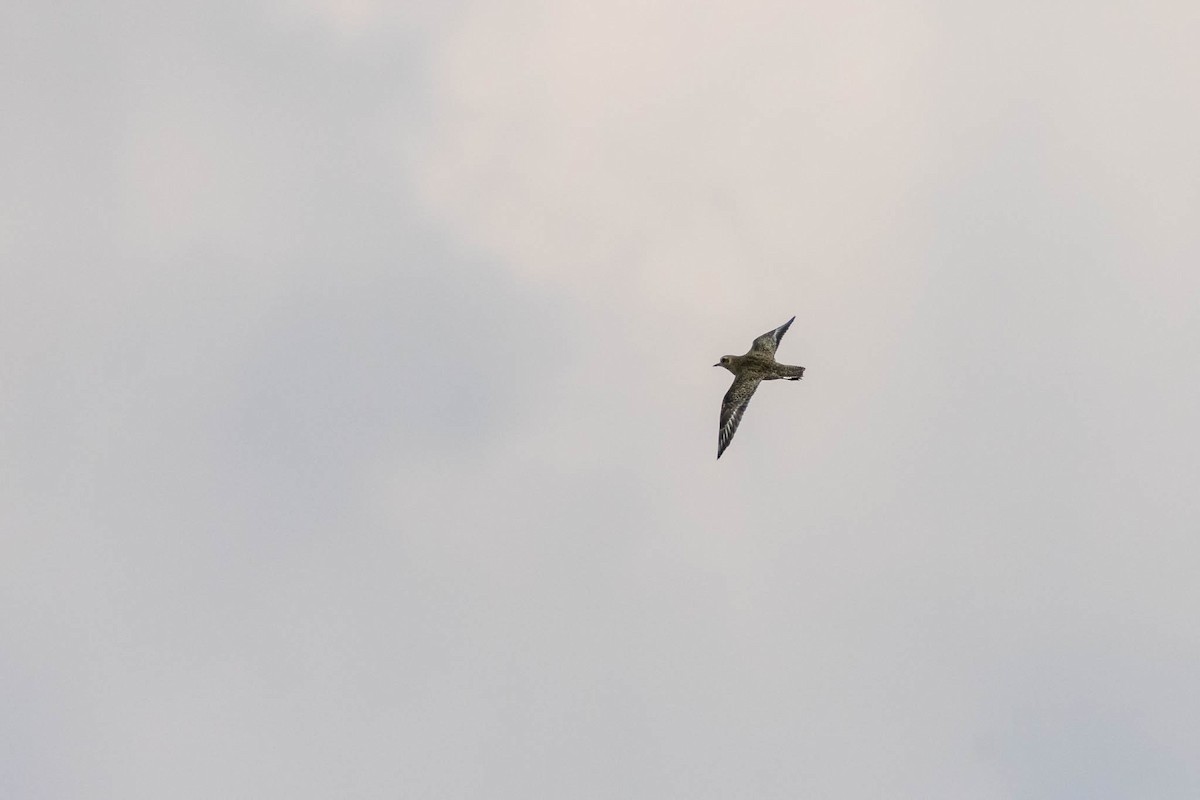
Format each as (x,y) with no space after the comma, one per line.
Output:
(792,373)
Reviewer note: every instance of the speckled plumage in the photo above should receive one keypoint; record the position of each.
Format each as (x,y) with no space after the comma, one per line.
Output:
(749,370)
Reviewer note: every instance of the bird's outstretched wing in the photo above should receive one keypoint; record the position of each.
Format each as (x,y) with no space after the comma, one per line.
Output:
(770,340)
(733,406)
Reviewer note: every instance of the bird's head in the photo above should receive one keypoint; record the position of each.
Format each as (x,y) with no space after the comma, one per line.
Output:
(727,362)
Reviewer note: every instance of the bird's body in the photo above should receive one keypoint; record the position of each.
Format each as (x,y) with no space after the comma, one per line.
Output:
(749,370)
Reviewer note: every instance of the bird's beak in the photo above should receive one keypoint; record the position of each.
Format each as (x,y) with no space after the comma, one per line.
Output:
(716,365)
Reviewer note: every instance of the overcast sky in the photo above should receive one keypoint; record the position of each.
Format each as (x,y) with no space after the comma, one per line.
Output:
(358,426)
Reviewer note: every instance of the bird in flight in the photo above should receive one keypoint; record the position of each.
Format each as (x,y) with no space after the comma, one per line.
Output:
(749,370)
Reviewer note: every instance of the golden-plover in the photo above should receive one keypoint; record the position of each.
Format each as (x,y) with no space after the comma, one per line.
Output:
(749,370)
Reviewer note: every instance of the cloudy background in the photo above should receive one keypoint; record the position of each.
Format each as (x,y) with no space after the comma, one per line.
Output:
(358,423)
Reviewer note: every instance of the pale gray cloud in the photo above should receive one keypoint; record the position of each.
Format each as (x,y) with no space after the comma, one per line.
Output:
(359,431)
